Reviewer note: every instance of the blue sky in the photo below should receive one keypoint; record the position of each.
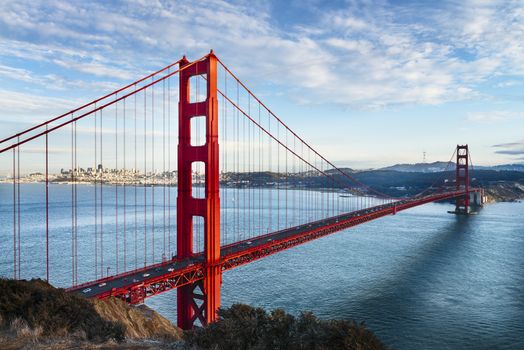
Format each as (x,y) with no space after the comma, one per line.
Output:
(369,83)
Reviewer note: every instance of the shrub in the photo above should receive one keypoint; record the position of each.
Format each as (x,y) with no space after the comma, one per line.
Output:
(53,312)
(244,327)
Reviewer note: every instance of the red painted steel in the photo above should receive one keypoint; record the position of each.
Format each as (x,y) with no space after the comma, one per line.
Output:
(242,252)
(462,179)
(189,310)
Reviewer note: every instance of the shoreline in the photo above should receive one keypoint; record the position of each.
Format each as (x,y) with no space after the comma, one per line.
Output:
(501,192)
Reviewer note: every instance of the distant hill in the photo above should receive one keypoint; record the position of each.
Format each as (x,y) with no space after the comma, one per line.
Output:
(436,167)
(344,170)
(503,167)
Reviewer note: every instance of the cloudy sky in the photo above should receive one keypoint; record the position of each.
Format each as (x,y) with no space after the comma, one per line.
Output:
(369,83)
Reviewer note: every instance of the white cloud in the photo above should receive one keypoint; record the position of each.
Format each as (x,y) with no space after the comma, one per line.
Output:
(95,69)
(28,107)
(508,83)
(367,56)
(492,116)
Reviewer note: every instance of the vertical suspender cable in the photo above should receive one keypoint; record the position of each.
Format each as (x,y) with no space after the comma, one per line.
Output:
(249,175)
(270,164)
(164,164)
(145,178)
(18,204)
(244,200)
(76,208)
(71,183)
(294,171)
(124,186)
(46,205)
(135,176)
(238,166)
(101,198)
(14,214)
(278,179)
(153,174)
(260,171)
(287,182)
(170,174)
(224,164)
(96,199)
(116,185)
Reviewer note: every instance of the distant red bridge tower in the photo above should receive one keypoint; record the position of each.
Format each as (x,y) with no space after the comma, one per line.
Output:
(462,179)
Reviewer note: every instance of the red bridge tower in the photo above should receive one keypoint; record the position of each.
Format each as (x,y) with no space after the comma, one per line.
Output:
(200,300)
(462,179)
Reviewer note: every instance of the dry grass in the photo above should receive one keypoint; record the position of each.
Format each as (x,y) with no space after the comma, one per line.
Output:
(139,322)
(8,343)
(35,308)
(35,315)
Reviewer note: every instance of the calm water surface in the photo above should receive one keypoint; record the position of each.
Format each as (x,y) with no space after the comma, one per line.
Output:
(422,279)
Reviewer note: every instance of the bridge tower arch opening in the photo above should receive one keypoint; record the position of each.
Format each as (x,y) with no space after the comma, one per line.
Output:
(199,301)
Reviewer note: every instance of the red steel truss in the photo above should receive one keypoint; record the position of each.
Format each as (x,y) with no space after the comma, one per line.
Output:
(192,272)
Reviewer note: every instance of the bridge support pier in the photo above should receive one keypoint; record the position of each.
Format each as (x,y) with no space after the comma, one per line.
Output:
(201,300)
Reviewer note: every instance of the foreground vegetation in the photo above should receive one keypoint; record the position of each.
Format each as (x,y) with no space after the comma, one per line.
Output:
(35,315)
(244,327)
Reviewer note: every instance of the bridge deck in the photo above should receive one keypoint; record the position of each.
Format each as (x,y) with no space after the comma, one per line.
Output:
(135,286)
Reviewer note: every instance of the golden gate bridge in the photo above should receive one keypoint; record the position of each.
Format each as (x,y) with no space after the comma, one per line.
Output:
(247,186)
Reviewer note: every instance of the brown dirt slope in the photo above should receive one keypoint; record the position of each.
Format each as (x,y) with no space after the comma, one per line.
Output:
(35,315)
(139,322)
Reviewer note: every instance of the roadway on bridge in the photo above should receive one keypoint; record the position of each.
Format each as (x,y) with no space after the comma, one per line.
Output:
(137,277)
